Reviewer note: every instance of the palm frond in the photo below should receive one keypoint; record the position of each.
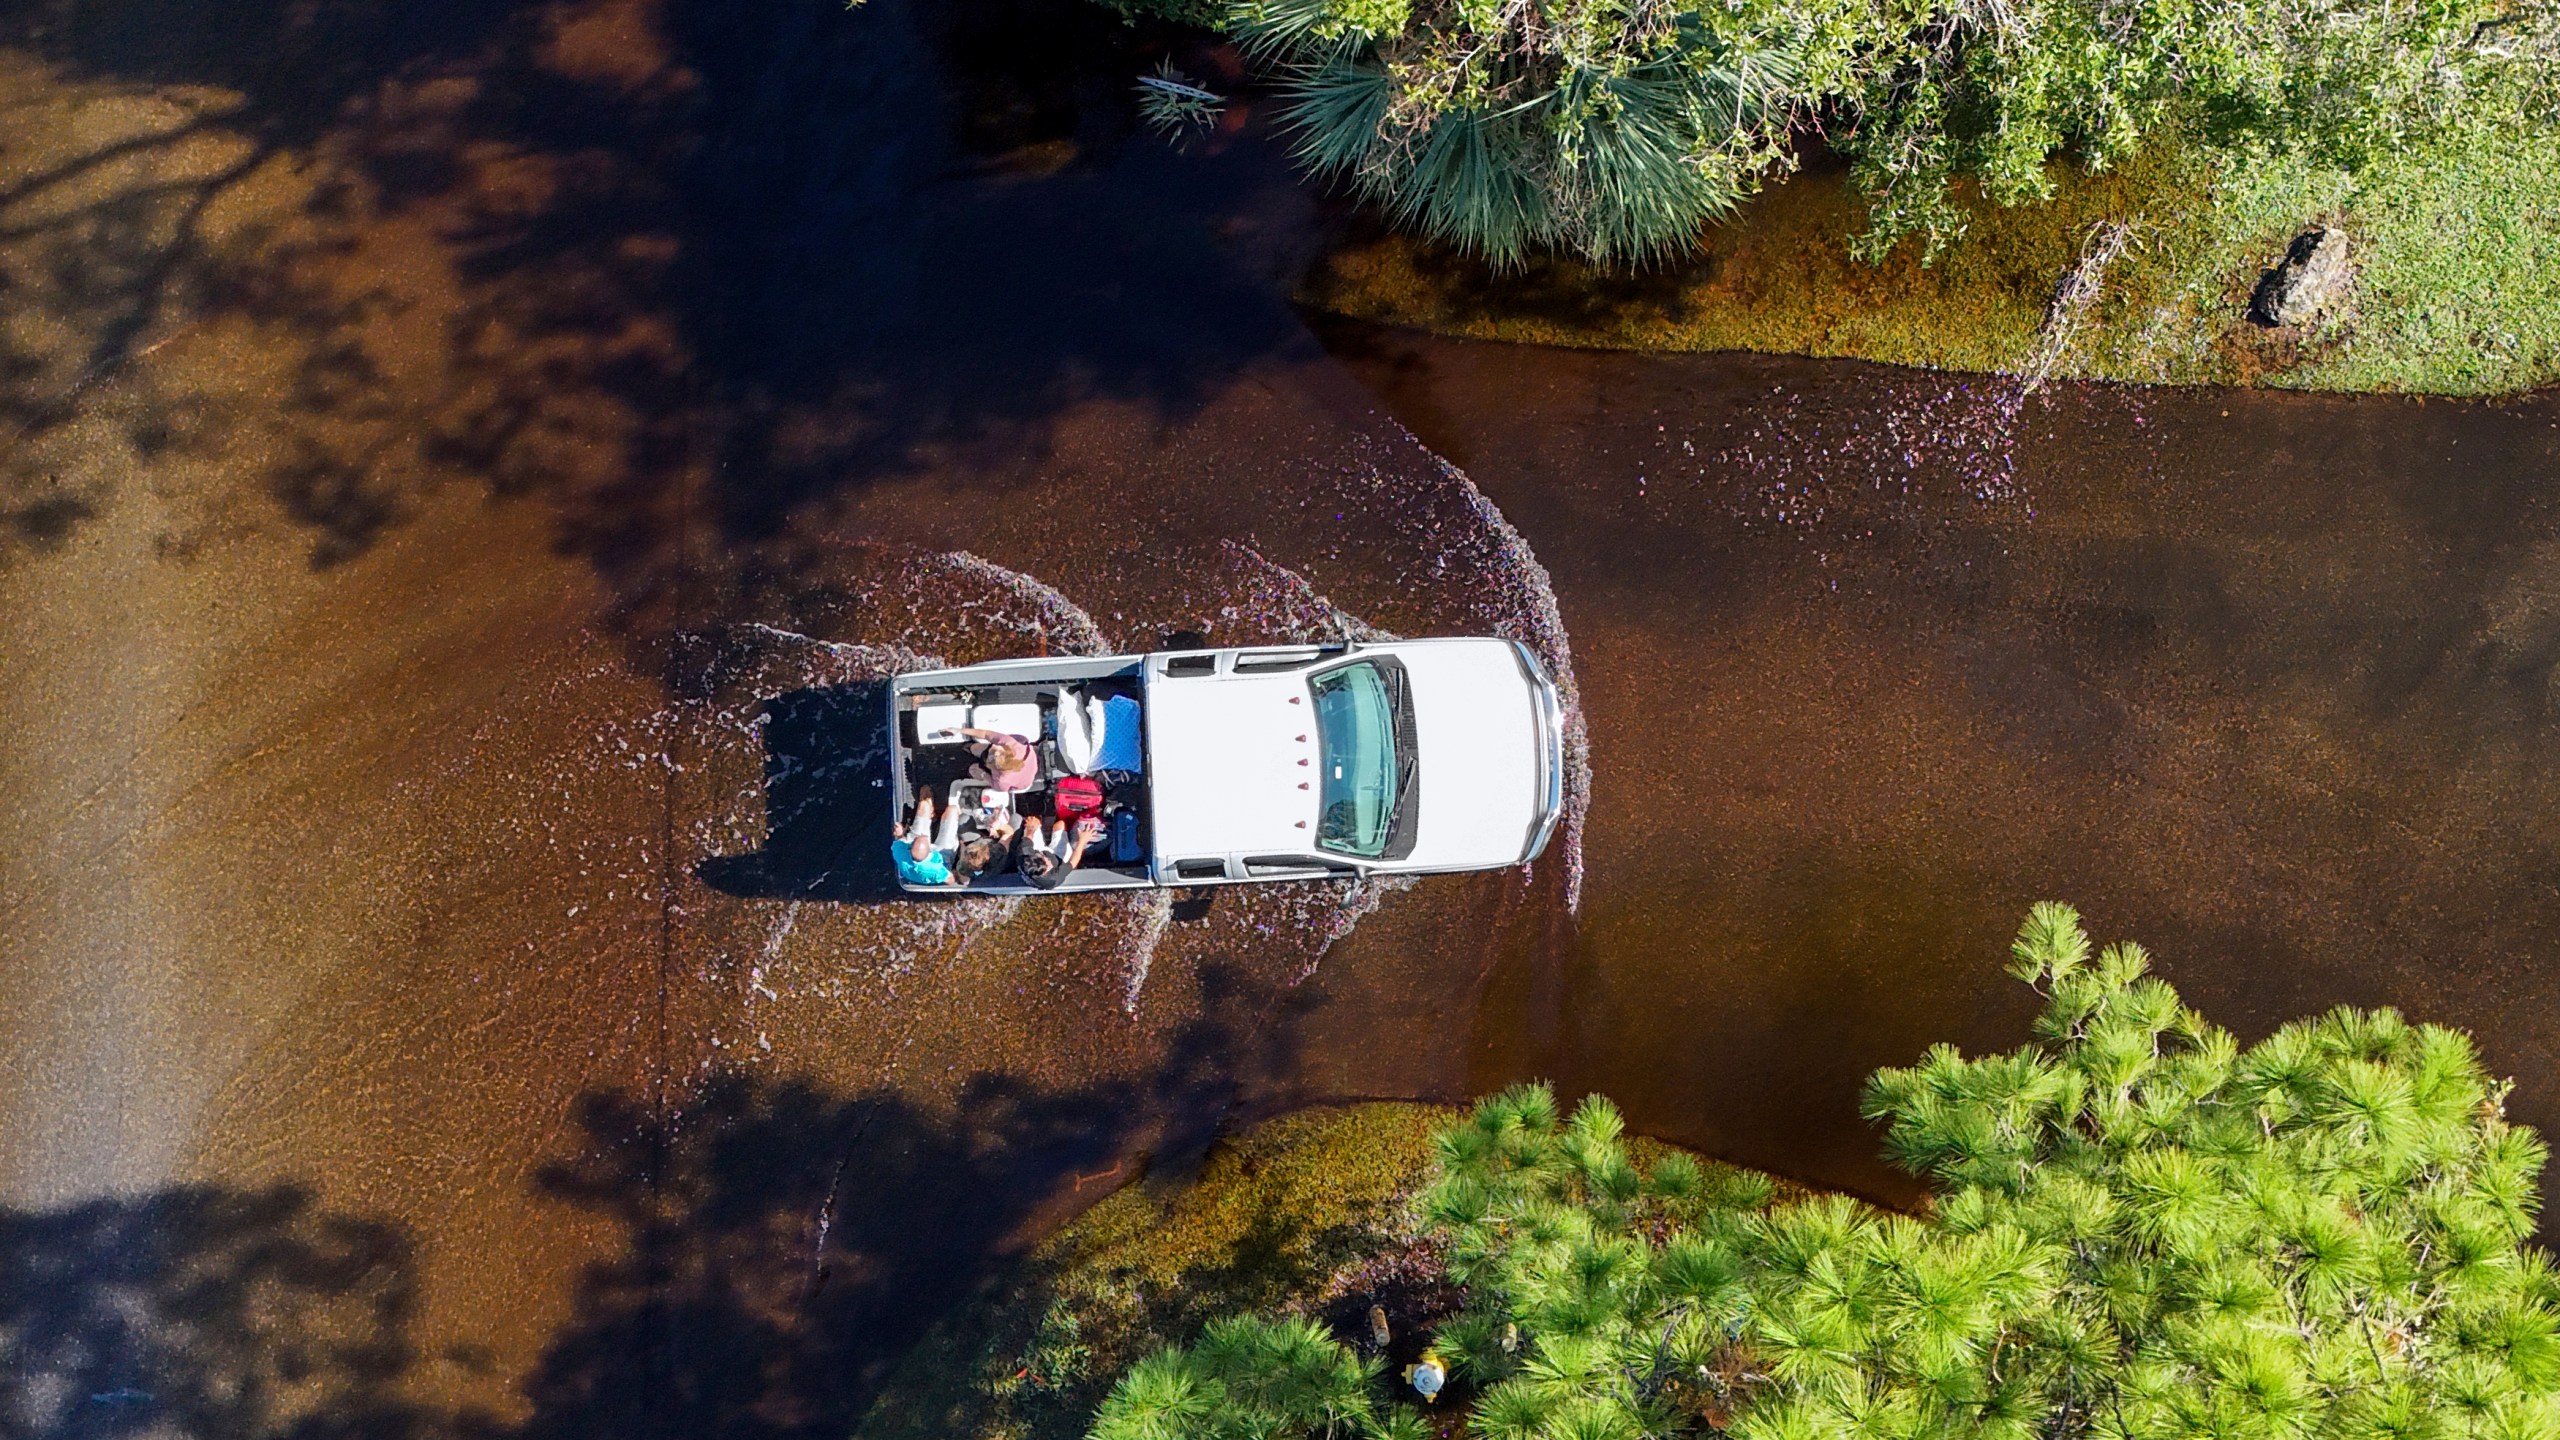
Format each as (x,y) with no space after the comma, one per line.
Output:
(1332,109)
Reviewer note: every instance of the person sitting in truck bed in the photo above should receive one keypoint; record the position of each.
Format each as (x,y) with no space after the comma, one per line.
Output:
(977,856)
(1045,856)
(997,836)
(922,851)
(1005,762)
(927,854)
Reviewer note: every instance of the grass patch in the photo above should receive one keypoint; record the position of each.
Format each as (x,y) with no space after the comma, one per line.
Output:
(1276,1218)
(2459,287)
(1308,1213)
(2457,250)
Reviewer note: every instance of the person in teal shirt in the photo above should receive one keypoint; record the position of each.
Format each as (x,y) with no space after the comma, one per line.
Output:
(922,852)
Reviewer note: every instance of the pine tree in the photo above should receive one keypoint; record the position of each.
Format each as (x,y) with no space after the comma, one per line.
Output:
(1591,1298)
(1252,1379)
(2320,1235)
(2137,1230)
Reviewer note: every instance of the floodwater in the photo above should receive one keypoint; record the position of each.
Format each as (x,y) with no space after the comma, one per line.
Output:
(465,470)
(1873,658)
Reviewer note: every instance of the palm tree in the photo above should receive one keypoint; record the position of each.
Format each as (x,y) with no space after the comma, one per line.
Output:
(1615,132)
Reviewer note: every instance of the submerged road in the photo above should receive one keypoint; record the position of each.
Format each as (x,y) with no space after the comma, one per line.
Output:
(463,471)
(1873,658)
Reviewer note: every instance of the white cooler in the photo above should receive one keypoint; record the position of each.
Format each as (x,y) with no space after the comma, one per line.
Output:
(940,724)
(1022,720)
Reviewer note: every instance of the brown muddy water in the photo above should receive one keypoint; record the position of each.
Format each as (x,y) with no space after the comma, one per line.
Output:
(1870,658)
(466,468)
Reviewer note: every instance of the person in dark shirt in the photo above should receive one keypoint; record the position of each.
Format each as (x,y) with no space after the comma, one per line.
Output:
(976,857)
(1046,852)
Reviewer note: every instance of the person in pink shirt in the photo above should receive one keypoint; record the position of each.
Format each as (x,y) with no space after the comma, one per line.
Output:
(1006,762)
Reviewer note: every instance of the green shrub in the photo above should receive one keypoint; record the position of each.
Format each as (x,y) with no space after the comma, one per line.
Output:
(1616,131)
(1250,1379)
(2138,1228)
(1610,132)
(1991,92)
(1207,14)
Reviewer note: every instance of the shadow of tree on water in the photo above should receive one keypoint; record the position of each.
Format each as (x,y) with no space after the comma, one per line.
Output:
(781,1245)
(207,1311)
(105,239)
(786,1244)
(709,265)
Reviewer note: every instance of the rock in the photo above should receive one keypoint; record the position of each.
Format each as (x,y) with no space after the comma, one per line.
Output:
(2313,276)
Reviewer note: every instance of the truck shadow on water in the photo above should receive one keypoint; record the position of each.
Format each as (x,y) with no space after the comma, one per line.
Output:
(826,802)
(779,1247)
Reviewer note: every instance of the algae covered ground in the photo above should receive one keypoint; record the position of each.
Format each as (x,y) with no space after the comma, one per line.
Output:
(1301,1213)
(2456,247)
(1310,1214)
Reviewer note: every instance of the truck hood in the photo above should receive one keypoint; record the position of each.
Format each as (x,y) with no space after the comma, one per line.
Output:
(1476,732)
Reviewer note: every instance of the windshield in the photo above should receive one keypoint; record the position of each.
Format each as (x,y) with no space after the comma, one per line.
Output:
(1356,722)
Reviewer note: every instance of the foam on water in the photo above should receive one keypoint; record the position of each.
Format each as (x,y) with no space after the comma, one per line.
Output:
(1270,594)
(1147,913)
(1064,624)
(892,944)
(1325,913)
(796,954)
(861,661)
(1808,461)
(1531,616)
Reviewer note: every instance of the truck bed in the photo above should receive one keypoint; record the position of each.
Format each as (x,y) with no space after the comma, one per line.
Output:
(943,768)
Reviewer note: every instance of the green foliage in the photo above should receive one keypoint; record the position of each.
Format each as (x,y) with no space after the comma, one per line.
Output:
(1249,1379)
(1207,14)
(2457,256)
(2456,248)
(2140,1224)
(2139,1230)
(1056,1357)
(1591,1292)
(1278,1218)
(1613,131)
(1989,92)
(1175,104)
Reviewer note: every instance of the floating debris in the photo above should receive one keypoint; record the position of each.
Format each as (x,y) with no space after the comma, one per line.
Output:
(2078,291)
(1177,105)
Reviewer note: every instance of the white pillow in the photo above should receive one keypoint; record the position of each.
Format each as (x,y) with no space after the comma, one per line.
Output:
(1079,731)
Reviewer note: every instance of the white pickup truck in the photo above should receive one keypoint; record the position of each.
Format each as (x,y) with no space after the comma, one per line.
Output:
(1287,762)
